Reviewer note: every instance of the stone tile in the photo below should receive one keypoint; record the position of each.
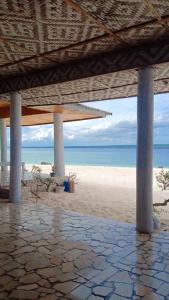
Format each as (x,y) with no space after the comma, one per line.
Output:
(26,295)
(163,289)
(123,289)
(88,273)
(104,275)
(121,276)
(68,267)
(48,272)
(163,276)
(93,297)
(150,281)
(116,297)
(63,255)
(17,273)
(49,297)
(142,290)
(102,291)
(153,296)
(25,249)
(55,260)
(65,287)
(4,280)
(30,278)
(3,295)
(27,287)
(82,292)
(11,266)
(10,285)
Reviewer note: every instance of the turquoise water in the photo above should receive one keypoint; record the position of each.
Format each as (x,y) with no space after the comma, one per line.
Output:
(119,156)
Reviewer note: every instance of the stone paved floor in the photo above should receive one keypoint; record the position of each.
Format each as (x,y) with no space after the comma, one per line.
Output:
(49,254)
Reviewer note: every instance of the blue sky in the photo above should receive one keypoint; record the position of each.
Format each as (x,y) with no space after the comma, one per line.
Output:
(118,129)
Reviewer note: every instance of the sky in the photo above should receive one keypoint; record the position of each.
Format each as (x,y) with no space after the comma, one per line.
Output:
(118,129)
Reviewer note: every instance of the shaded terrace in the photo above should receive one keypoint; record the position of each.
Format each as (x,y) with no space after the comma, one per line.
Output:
(64,52)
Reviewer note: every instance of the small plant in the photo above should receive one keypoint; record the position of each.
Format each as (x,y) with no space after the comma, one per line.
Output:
(53,173)
(47,182)
(36,171)
(163,179)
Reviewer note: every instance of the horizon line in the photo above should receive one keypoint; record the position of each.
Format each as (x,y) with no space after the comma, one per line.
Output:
(93,146)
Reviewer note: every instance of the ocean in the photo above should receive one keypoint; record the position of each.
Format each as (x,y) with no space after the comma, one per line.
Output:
(117,156)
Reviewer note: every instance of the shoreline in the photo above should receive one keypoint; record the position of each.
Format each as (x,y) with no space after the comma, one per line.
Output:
(108,192)
(93,166)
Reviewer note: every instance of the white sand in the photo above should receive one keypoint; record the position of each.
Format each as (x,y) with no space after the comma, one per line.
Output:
(106,192)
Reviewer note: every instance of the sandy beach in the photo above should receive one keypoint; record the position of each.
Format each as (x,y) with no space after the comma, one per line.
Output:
(107,192)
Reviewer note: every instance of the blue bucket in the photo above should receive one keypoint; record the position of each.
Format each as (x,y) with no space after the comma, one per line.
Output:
(66,186)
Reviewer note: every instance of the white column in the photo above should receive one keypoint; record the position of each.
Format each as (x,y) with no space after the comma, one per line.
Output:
(58,145)
(145,112)
(15,150)
(3,142)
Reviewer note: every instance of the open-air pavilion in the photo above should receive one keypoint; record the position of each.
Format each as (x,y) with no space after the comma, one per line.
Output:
(74,51)
(47,114)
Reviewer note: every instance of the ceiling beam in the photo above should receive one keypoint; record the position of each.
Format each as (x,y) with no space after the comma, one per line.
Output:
(124,59)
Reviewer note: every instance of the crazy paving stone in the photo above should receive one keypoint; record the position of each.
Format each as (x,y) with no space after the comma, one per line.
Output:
(16,273)
(10,285)
(82,292)
(30,278)
(27,287)
(125,290)
(48,253)
(102,291)
(26,295)
(3,295)
(48,272)
(154,297)
(38,261)
(4,280)
(65,287)
(92,297)
(49,297)
(68,267)
(104,275)
(44,282)
(25,249)
(163,289)
(116,297)
(163,276)
(88,273)
(150,281)
(121,277)
(56,260)
(142,290)
(11,266)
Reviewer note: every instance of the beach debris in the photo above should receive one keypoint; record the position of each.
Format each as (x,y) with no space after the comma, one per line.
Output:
(45,163)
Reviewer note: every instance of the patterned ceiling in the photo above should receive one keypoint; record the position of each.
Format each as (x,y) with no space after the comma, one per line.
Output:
(36,35)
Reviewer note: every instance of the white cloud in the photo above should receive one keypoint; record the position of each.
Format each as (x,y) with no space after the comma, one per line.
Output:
(121,128)
(38,133)
(70,137)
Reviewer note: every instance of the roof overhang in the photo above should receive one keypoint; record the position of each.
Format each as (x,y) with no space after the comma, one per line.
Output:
(39,115)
